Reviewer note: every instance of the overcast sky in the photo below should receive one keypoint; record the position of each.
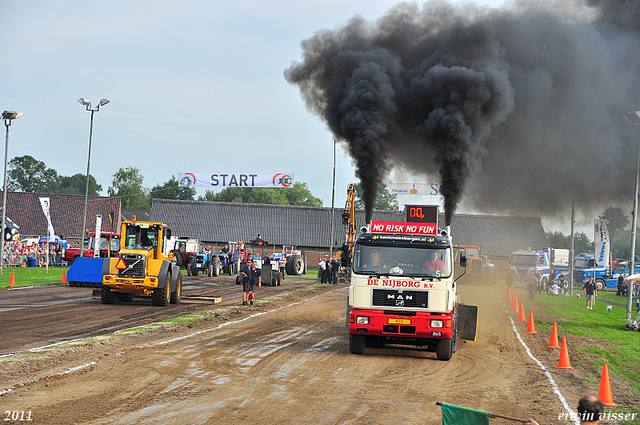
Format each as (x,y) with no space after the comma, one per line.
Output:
(195,86)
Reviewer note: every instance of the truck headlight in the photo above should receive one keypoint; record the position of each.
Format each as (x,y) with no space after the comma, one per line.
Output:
(437,324)
(362,320)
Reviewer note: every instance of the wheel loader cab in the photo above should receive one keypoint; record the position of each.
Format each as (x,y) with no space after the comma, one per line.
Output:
(143,236)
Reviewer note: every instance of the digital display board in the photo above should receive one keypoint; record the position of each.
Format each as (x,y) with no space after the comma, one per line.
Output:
(421,214)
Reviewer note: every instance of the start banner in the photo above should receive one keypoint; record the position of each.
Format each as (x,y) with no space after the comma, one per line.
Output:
(235,180)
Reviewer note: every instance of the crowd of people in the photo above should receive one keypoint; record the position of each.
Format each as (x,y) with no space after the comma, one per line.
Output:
(18,254)
(328,269)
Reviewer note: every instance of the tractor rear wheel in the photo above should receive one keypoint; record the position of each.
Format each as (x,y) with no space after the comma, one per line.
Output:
(215,264)
(161,296)
(295,265)
(107,296)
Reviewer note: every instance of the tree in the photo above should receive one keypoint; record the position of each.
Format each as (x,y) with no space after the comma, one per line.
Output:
(299,194)
(384,201)
(27,174)
(558,240)
(171,190)
(582,243)
(616,219)
(77,184)
(127,185)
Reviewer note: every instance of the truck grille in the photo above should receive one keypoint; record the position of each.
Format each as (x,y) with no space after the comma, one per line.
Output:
(135,266)
(400,298)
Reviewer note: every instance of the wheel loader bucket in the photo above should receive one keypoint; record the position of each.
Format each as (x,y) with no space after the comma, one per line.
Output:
(467,321)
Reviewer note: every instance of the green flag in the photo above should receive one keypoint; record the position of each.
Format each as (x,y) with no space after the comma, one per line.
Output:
(457,415)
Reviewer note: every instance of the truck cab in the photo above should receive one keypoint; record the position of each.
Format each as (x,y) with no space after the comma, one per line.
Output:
(402,291)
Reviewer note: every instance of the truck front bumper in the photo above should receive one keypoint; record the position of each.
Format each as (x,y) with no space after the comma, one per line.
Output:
(395,324)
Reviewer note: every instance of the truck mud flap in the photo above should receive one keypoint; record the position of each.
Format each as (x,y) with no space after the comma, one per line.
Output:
(467,321)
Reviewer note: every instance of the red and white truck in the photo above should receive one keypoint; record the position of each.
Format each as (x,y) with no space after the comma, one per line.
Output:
(403,289)
(107,240)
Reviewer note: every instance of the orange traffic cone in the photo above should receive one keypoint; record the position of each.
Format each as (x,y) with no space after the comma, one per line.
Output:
(515,304)
(564,362)
(521,317)
(605,388)
(64,276)
(12,281)
(553,341)
(531,326)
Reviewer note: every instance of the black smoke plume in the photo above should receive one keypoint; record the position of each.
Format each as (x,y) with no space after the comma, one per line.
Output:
(525,101)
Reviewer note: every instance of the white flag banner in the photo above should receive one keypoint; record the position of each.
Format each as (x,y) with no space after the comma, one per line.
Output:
(414,188)
(96,247)
(603,247)
(235,180)
(45,203)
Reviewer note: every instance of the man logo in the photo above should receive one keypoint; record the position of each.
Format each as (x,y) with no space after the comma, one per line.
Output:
(188,180)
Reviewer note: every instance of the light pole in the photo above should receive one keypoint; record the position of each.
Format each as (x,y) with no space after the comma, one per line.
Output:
(634,119)
(7,116)
(87,104)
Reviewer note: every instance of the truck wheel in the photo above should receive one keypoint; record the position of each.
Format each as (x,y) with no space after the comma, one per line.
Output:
(348,313)
(215,264)
(357,344)
(295,265)
(600,285)
(444,349)
(176,295)
(278,278)
(107,296)
(161,296)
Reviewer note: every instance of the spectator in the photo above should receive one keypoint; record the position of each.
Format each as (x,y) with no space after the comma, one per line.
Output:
(531,284)
(250,276)
(322,269)
(335,267)
(283,265)
(619,284)
(561,280)
(509,279)
(539,282)
(590,411)
(590,292)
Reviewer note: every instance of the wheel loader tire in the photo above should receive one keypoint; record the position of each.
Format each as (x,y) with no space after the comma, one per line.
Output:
(176,295)
(126,298)
(215,264)
(161,296)
(295,265)
(107,296)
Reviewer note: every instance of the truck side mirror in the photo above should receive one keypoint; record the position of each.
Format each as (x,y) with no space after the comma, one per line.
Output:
(168,233)
(463,258)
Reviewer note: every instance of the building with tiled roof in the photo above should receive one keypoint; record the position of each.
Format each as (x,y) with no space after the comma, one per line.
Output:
(66,213)
(310,227)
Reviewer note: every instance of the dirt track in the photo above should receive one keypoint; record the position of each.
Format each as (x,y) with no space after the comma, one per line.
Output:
(285,361)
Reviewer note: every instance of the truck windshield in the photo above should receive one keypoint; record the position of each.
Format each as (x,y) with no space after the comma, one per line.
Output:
(104,243)
(472,251)
(398,261)
(580,263)
(524,260)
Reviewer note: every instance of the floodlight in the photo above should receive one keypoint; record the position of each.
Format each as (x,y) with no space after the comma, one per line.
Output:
(11,115)
(85,102)
(103,102)
(633,118)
